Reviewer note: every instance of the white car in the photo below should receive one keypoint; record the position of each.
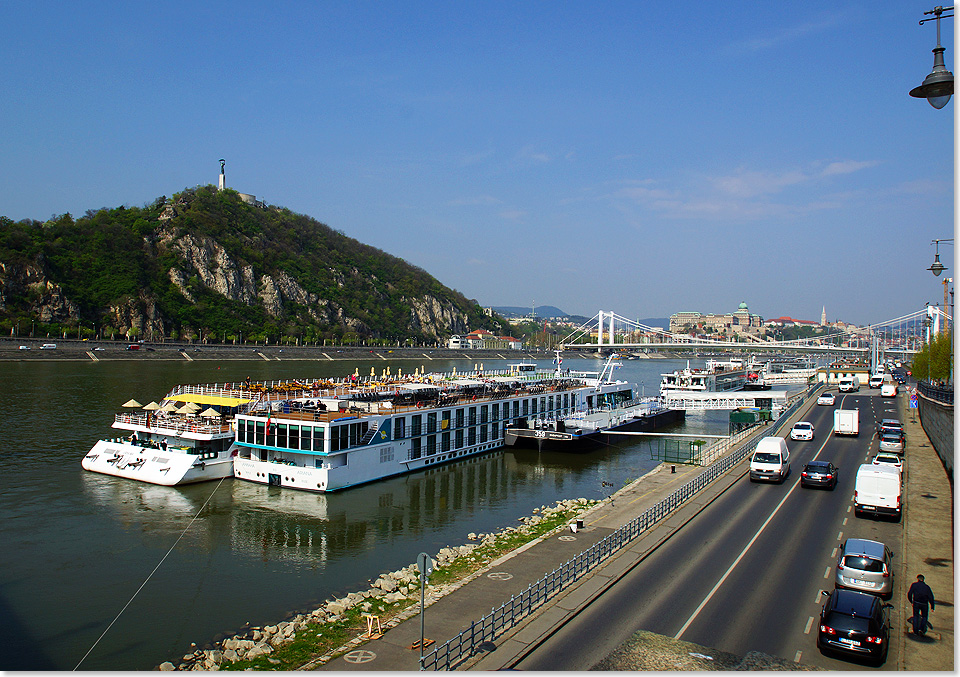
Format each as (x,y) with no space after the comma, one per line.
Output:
(892,460)
(802,430)
(888,390)
(827,399)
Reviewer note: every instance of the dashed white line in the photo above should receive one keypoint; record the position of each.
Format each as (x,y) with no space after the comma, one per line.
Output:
(796,658)
(809,625)
(840,536)
(826,574)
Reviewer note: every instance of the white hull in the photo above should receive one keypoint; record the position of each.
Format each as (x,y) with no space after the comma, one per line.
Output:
(363,465)
(168,468)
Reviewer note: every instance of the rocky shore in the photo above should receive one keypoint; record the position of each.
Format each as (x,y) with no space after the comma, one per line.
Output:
(394,595)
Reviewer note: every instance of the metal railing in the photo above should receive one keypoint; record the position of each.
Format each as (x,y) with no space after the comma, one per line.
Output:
(458,648)
(942,394)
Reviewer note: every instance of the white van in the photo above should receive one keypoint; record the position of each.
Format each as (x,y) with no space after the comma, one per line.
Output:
(770,460)
(888,390)
(878,491)
(876,380)
(849,384)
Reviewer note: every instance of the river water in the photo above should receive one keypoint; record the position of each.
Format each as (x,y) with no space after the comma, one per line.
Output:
(103,573)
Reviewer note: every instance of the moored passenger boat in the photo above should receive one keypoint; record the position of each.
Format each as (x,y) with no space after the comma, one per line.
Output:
(714,376)
(352,434)
(175,442)
(612,406)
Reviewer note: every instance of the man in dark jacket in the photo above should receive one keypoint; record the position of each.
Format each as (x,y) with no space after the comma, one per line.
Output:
(920,595)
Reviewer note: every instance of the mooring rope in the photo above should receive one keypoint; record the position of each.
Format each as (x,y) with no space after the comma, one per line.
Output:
(147,580)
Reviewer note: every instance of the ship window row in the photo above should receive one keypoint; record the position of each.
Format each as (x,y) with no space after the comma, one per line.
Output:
(451,441)
(283,435)
(300,437)
(437,422)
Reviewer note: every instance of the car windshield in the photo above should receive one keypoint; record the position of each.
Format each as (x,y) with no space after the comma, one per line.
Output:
(761,457)
(818,467)
(891,438)
(802,426)
(888,459)
(861,563)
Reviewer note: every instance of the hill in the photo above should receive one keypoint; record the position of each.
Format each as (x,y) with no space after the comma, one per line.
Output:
(520,311)
(207,263)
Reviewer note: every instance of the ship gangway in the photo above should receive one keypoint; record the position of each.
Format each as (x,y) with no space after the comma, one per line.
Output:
(774,400)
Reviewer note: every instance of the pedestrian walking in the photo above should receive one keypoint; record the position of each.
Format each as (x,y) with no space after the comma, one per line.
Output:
(920,595)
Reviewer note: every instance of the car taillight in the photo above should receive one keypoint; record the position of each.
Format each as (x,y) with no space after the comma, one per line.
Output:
(804,474)
(827,629)
(875,640)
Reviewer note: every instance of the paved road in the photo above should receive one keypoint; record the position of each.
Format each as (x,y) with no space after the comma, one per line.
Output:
(745,575)
(730,510)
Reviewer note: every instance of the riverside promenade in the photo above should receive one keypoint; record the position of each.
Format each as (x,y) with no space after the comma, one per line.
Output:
(927,549)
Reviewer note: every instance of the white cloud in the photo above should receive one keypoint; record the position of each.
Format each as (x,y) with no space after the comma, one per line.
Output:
(846,167)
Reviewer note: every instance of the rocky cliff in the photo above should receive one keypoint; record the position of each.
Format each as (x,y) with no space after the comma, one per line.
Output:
(205,262)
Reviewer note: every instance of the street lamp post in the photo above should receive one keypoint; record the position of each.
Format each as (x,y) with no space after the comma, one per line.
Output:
(936,268)
(937,88)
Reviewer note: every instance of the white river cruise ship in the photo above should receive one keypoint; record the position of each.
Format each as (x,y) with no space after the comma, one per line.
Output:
(353,433)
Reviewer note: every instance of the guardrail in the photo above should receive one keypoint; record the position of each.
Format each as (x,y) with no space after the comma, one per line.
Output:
(458,648)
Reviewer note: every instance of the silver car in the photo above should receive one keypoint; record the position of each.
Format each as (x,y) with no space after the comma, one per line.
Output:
(891,442)
(865,566)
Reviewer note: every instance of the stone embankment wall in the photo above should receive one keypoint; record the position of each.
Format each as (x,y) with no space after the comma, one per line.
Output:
(937,420)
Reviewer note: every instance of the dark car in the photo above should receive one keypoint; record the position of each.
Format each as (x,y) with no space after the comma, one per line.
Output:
(854,623)
(819,474)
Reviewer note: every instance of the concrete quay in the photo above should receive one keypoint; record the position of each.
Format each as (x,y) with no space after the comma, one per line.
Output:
(927,549)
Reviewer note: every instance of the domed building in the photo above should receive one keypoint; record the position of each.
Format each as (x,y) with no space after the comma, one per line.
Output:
(741,321)
(742,317)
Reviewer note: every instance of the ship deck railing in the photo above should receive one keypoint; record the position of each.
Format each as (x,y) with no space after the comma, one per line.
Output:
(345,387)
(177,425)
(384,404)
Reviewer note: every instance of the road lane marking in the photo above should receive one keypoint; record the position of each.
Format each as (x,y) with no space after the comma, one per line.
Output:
(809,625)
(845,521)
(796,658)
(748,546)
(839,535)
(833,555)
(826,574)
(737,560)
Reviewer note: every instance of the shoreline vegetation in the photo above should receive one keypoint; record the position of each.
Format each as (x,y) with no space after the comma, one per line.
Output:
(306,640)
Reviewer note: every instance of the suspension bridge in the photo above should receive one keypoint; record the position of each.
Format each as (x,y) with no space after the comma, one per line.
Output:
(901,336)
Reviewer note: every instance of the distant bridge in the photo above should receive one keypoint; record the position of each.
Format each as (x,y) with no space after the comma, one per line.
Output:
(902,336)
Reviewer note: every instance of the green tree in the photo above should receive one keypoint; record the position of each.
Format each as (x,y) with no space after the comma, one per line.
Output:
(935,359)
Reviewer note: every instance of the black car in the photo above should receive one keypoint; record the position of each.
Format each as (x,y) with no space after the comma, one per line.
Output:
(854,623)
(819,474)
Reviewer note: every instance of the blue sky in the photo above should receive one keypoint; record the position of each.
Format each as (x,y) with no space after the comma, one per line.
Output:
(637,157)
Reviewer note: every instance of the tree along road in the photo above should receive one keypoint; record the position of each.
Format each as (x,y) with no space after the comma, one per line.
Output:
(745,574)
